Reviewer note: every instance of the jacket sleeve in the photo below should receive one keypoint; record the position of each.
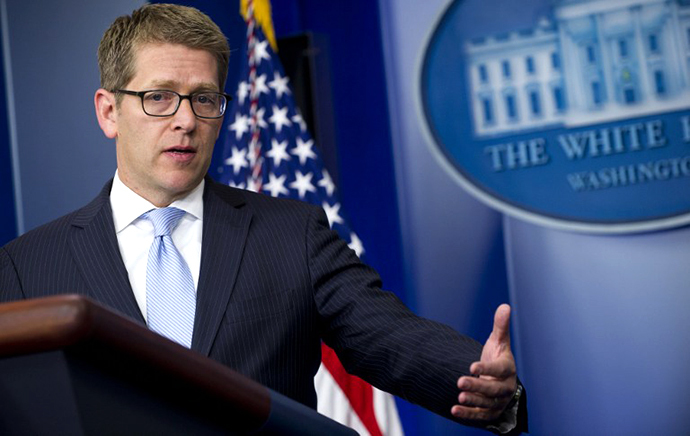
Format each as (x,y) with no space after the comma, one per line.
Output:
(380,340)
(375,336)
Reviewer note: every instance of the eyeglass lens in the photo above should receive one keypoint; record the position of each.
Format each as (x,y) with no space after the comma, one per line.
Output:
(164,103)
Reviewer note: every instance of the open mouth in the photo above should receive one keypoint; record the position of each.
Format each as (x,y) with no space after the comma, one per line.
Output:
(181,150)
(181,154)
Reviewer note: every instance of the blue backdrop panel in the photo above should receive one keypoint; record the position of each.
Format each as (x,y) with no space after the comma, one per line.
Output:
(8,223)
(602,323)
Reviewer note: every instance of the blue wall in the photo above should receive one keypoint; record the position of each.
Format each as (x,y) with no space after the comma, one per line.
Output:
(63,157)
(8,223)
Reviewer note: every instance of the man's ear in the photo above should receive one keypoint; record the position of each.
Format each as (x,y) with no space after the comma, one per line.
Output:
(106,112)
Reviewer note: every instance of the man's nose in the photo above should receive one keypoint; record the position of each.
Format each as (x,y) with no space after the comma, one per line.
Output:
(185,118)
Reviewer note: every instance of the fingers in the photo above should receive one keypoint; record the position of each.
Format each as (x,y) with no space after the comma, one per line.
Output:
(486,387)
(498,369)
(475,413)
(501,369)
(478,401)
(483,398)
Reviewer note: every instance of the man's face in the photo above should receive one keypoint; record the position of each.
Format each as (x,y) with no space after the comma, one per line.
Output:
(163,159)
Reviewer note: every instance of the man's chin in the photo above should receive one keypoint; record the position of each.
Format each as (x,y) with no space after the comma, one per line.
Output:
(180,189)
(177,188)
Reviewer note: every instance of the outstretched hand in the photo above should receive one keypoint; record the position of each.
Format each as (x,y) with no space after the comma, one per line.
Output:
(485,396)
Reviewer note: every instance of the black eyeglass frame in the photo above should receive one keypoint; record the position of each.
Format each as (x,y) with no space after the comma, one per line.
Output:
(141,95)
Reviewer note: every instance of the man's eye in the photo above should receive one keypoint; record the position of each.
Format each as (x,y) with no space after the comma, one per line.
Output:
(159,96)
(206,99)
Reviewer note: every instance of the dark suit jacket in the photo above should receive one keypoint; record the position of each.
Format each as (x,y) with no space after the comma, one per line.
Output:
(274,282)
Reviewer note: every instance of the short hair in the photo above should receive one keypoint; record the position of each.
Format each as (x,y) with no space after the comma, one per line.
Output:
(158,23)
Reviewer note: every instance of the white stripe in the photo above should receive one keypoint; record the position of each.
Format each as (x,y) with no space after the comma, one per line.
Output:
(333,402)
(386,413)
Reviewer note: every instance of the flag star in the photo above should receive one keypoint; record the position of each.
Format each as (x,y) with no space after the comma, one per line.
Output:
(356,244)
(258,119)
(276,185)
(327,183)
(239,185)
(303,150)
(238,159)
(240,126)
(278,152)
(242,91)
(260,52)
(297,119)
(280,118)
(279,84)
(253,185)
(302,183)
(333,213)
(260,86)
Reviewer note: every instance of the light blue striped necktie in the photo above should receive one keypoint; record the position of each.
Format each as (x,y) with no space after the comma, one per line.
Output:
(170,295)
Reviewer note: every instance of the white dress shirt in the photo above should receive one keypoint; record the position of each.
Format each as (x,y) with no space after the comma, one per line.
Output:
(135,235)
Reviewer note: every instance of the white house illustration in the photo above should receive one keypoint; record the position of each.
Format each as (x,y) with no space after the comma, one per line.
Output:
(591,61)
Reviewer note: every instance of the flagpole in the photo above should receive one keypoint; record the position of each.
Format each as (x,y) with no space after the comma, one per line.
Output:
(255,181)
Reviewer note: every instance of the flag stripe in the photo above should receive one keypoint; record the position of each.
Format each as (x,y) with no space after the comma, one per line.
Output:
(335,403)
(358,392)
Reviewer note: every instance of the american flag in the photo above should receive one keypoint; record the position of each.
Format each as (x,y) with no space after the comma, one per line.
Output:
(268,149)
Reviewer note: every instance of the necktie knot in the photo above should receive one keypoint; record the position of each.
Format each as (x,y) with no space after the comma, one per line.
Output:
(164,219)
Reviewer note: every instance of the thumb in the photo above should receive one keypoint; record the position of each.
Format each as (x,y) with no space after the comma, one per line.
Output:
(501,331)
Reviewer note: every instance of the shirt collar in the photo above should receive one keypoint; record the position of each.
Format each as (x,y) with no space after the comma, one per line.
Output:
(127,205)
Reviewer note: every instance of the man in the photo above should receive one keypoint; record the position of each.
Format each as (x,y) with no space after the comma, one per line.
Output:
(261,281)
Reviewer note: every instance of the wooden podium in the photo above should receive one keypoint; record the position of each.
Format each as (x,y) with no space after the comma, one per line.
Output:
(70,366)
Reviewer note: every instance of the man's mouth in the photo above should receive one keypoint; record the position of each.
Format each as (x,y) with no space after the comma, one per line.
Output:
(183,150)
(181,153)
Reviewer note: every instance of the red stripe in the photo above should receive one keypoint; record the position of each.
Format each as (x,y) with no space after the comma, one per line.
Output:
(358,392)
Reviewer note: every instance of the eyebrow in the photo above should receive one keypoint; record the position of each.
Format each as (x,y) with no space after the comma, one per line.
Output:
(169,84)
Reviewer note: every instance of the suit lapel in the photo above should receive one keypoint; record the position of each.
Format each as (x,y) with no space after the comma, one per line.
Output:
(226,225)
(96,252)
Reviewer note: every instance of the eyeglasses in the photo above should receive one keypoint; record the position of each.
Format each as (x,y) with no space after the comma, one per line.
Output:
(165,103)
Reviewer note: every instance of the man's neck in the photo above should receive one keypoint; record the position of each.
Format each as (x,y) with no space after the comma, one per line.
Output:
(157,198)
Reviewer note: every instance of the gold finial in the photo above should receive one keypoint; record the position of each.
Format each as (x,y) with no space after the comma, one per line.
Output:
(262,15)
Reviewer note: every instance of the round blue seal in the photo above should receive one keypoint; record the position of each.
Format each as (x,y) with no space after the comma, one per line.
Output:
(572,113)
